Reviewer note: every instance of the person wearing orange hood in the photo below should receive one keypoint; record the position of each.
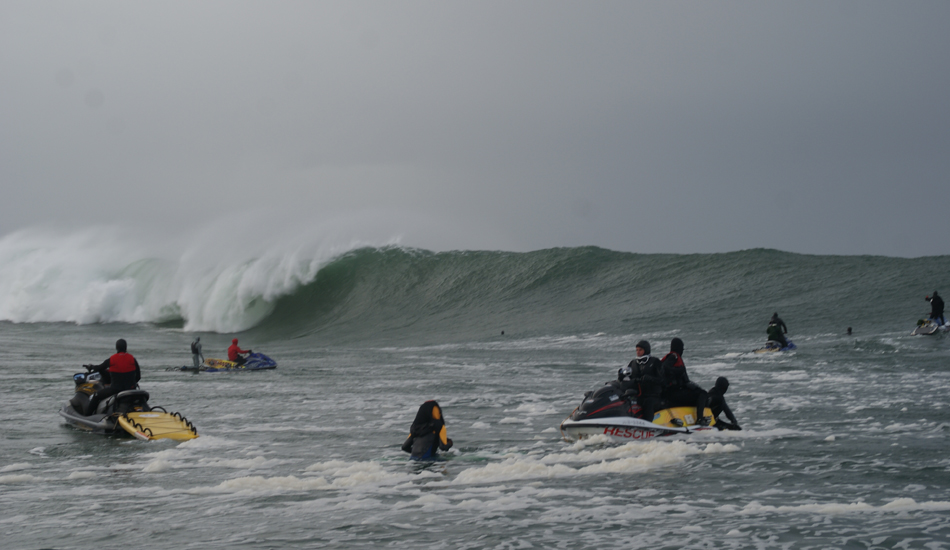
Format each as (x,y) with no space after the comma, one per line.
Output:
(427,433)
(235,353)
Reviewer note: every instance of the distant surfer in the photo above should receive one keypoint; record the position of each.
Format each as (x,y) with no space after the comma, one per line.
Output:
(777,330)
(427,434)
(121,372)
(196,356)
(643,380)
(236,354)
(678,390)
(717,403)
(936,309)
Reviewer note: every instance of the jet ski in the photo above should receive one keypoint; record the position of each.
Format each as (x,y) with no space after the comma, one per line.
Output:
(773,345)
(255,361)
(127,412)
(607,412)
(929,327)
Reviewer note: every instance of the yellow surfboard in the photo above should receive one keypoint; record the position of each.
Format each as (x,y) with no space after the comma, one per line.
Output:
(158,425)
(686,415)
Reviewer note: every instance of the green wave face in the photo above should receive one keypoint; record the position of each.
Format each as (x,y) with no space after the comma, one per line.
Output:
(393,294)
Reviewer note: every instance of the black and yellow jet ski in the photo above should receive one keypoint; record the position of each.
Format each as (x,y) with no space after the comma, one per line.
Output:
(127,412)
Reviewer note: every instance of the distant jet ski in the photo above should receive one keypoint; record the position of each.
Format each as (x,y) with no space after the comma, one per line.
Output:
(127,412)
(928,327)
(255,361)
(606,412)
(772,345)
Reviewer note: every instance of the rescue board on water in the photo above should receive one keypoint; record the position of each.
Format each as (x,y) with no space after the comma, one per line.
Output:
(157,425)
(680,416)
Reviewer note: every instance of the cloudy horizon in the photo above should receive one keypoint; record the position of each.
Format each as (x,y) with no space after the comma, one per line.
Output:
(812,127)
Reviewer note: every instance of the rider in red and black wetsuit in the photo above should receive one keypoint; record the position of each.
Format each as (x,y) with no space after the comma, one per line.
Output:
(678,390)
(121,372)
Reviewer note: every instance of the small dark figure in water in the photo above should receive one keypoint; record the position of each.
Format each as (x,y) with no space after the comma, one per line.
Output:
(427,434)
(849,331)
(678,390)
(717,402)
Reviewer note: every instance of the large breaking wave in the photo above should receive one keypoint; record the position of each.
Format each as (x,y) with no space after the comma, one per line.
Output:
(305,285)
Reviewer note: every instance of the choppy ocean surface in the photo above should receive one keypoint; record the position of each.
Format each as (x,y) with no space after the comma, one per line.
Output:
(844,441)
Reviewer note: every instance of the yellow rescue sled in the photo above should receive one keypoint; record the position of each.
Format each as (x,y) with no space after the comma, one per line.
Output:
(157,424)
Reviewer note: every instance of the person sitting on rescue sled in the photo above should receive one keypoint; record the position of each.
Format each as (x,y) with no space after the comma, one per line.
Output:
(678,390)
(234,353)
(642,380)
(427,434)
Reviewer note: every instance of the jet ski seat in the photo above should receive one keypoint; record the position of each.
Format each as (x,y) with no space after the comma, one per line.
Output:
(129,400)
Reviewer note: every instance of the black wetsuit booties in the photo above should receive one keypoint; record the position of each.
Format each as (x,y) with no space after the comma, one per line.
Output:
(678,391)
(427,433)
(648,381)
(717,402)
(122,373)
(936,309)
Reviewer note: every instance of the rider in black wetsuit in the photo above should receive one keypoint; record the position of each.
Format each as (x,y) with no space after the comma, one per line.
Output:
(936,309)
(646,380)
(717,402)
(678,390)
(777,330)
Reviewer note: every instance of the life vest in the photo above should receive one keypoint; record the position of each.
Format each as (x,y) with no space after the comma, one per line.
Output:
(676,376)
(194,348)
(122,362)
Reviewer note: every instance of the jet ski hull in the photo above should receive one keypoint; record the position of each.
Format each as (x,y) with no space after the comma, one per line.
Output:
(97,423)
(618,428)
(666,422)
(255,361)
(772,346)
(929,328)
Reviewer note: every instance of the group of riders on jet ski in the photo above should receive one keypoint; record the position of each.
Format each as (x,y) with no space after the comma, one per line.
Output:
(654,383)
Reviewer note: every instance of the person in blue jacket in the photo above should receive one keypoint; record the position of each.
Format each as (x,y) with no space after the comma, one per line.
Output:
(427,435)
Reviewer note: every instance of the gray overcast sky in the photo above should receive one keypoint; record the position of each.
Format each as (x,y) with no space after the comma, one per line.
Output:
(817,127)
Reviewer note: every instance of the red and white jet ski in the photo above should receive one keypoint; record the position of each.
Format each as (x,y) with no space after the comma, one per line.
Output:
(606,412)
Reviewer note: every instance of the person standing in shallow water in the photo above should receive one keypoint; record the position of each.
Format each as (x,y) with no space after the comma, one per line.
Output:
(427,434)
(196,356)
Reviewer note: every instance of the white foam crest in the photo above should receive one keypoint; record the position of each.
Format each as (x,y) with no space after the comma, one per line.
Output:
(219,282)
(17,478)
(16,467)
(266,484)
(836,508)
(628,458)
